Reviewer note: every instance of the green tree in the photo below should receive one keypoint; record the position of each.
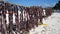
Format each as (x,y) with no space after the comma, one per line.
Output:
(57,6)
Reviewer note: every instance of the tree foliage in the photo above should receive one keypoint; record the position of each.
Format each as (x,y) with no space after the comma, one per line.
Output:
(57,6)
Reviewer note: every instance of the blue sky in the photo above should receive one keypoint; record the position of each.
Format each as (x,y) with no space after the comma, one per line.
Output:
(43,3)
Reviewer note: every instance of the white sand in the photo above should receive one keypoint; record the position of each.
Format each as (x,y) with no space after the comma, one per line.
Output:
(53,26)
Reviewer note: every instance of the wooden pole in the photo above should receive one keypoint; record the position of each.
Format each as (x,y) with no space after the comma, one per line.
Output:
(10,22)
(16,19)
(0,22)
(4,18)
